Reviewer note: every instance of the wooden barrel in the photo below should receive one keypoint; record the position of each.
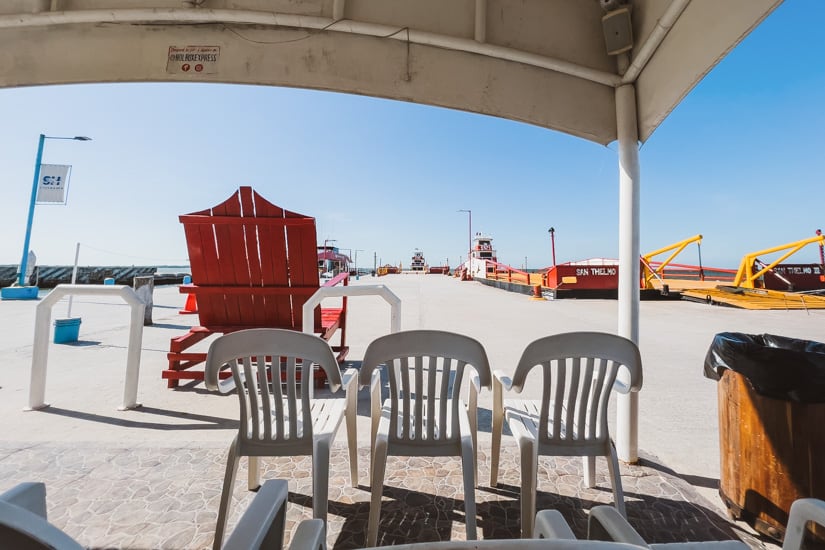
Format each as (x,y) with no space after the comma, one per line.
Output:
(772,453)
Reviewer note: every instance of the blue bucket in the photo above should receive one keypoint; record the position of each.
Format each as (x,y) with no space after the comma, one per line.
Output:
(109,281)
(66,330)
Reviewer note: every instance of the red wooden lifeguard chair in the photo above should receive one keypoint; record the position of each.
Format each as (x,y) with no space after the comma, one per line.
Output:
(254,265)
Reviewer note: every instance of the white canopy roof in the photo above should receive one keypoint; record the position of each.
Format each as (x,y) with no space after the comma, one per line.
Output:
(543,62)
(590,68)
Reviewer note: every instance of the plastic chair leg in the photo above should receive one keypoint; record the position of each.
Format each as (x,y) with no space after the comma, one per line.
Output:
(616,480)
(320,478)
(379,466)
(498,427)
(352,437)
(254,476)
(589,468)
(468,471)
(226,493)
(529,475)
(472,414)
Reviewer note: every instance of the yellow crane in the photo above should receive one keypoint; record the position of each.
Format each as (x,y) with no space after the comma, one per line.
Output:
(649,274)
(745,276)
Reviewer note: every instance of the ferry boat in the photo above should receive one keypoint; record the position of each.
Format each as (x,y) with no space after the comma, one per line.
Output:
(418,263)
(483,248)
(480,255)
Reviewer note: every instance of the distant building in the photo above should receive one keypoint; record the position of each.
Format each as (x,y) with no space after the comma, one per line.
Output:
(331,262)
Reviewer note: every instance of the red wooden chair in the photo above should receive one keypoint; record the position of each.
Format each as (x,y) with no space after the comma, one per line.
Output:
(253,265)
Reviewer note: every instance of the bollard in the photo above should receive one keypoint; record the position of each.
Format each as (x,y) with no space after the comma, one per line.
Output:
(144,288)
(537,293)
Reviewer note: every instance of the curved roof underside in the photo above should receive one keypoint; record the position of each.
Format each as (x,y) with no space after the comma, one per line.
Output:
(543,62)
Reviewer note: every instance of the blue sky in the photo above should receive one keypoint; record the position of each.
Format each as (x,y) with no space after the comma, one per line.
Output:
(740,161)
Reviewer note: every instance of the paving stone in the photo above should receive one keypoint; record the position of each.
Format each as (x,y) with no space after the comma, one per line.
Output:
(108,496)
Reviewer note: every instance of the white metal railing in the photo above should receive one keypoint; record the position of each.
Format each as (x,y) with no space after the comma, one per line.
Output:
(40,351)
(348,291)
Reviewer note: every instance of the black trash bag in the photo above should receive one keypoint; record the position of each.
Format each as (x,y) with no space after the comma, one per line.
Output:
(776,366)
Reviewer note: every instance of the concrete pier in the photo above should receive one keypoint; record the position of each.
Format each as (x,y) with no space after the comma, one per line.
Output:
(151,477)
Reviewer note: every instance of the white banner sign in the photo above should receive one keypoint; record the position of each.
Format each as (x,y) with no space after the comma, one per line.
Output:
(53,186)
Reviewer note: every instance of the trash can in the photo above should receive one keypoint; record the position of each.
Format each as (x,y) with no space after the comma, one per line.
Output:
(771,395)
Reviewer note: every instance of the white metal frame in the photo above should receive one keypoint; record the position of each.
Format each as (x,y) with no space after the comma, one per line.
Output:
(359,290)
(40,351)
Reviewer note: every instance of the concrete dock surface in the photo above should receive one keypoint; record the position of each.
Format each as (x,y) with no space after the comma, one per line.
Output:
(150,477)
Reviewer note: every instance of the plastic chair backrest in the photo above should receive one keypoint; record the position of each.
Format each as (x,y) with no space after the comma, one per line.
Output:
(579,370)
(259,359)
(425,369)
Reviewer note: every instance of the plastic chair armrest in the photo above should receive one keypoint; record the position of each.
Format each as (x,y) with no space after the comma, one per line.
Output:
(32,526)
(803,510)
(606,523)
(475,381)
(30,496)
(350,381)
(621,387)
(310,535)
(499,377)
(212,380)
(262,524)
(550,524)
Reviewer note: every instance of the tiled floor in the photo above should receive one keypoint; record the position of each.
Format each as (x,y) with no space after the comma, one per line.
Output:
(167,497)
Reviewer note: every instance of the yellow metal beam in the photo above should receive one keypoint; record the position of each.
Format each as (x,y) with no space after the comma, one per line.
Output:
(649,273)
(745,276)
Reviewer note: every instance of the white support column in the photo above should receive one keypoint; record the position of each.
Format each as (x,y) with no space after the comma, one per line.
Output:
(338,7)
(481,21)
(627,410)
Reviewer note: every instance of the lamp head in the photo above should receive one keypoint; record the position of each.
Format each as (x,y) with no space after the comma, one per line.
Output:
(82,138)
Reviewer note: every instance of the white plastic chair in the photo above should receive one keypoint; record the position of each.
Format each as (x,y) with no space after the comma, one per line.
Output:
(276,422)
(23,524)
(605,523)
(424,415)
(263,524)
(579,369)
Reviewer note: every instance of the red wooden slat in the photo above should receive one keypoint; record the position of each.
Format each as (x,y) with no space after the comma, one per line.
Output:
(243,262)
(277,222)
(199,290)
(230,256)
(203,252)
(303,258)
(251,249)
(275,267)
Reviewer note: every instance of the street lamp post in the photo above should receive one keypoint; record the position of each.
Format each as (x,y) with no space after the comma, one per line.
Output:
(469,238)
(21,291)
(552,232)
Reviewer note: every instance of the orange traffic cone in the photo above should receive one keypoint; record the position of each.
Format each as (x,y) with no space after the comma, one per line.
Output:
(191,305)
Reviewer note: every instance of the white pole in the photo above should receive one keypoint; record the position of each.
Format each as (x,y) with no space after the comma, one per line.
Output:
(74,278)
(627,410)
